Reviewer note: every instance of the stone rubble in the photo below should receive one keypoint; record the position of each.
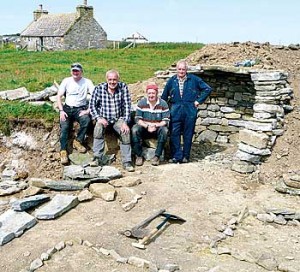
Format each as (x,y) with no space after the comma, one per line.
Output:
(131,260)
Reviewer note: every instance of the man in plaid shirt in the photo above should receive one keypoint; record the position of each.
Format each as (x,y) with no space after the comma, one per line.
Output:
(110,107)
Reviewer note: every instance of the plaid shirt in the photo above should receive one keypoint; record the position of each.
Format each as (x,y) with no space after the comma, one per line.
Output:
(108,106)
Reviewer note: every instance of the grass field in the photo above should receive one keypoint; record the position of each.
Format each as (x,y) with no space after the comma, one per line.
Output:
(38,70)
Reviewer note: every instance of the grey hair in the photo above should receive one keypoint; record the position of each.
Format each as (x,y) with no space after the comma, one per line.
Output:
(182,61)
(112,71)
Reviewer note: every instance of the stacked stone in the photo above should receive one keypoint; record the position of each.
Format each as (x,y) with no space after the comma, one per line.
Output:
(280,216)
(227,109)
(247,103)
(289,183)
(272,98)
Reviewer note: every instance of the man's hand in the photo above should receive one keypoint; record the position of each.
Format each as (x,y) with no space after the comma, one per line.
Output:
(151,128)
(196,103)
(102,121)
(84,112)
(63,116)
(125,128)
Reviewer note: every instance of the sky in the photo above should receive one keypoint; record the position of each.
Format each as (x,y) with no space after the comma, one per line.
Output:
(205,21)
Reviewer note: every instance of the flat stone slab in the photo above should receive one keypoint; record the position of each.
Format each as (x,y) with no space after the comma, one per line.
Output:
(80,158)
(74,172)
(28,202)
(128,181)
(106,174)
(8,187)
(57,206)
(13,224)
(14,94)
(59,185)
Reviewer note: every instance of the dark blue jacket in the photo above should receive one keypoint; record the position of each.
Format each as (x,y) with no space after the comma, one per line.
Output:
(195,89)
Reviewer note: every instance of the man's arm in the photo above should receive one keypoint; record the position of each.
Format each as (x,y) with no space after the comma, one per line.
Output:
(205,91)
(126,104)
(94,103)
(166,92)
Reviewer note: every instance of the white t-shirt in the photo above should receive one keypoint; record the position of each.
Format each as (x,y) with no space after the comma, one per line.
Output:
(76,92)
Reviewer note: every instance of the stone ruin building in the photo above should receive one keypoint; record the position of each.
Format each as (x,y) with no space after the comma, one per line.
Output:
(68,31)
(246,108)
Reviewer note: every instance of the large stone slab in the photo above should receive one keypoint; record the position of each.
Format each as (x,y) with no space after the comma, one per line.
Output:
(59,185)
(253,150)
(13,224)
(243,156)
(106,174)
(8,187)
(270,76)
(74,172)
(59,205)
(42,95)
(128,181)
(104,191)
(80,158)
(14,94)
(256,139)
(28,202)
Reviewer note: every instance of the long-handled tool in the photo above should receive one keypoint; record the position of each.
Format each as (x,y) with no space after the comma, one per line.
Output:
(139,231)
(141,243)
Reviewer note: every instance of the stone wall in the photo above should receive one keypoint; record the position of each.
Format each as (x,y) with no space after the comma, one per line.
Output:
(247,108)
(85,33)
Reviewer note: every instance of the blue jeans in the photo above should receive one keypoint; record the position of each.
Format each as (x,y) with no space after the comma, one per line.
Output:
(139,133)
(66,126)
(98,144)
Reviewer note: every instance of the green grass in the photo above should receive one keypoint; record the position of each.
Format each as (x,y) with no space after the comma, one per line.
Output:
(14,110)
(38,70)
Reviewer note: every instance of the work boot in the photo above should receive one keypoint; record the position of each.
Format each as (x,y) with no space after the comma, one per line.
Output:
(64,157)
(139,161)
(155,161)
(78,146)
(185,160)
(173,161)
(96,161)
(128,167)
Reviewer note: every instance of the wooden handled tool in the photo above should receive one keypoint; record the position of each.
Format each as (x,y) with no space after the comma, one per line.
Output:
(141,243)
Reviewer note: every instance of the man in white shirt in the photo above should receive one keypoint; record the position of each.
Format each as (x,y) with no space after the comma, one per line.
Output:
(75,89)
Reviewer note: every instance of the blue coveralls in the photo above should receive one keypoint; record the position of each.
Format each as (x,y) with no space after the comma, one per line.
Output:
(183,112)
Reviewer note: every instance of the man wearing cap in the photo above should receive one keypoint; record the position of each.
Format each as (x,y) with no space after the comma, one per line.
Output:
(184,93)
(110,107)
(75,89)
(152,119)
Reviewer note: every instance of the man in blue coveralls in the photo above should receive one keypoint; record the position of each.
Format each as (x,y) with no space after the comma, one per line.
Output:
(184,92)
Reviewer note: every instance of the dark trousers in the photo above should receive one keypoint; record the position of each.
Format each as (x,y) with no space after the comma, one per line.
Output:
(139,133)
(66,126)
(185,126)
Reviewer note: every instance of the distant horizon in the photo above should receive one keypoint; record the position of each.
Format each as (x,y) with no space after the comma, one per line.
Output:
(192,21)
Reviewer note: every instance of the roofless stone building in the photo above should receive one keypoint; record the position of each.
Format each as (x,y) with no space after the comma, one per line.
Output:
(66,31)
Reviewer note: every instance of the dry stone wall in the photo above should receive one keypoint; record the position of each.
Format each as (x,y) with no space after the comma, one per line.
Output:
(247,107)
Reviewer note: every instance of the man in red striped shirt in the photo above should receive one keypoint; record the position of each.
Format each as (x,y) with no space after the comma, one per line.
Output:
(152,119)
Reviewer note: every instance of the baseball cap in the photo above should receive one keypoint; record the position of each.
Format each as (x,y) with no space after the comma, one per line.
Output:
(152,86)
(76,66)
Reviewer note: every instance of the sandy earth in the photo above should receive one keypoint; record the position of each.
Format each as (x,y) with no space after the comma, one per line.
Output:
(205,192)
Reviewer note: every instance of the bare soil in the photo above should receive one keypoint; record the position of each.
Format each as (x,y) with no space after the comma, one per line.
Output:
(205,192)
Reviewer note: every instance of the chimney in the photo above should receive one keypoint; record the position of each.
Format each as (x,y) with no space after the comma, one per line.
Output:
(85,10)
(39,12)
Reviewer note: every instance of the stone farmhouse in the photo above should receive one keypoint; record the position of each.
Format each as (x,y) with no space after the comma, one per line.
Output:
(68,31)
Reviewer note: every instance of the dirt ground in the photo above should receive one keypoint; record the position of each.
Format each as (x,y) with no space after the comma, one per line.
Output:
(205,192)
